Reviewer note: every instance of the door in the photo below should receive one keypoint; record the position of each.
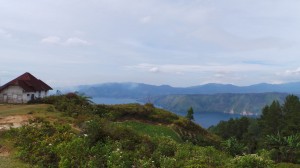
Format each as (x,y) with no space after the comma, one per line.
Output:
(5,98)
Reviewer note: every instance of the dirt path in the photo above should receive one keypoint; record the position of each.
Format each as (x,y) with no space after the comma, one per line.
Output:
(13,121)
(4,151)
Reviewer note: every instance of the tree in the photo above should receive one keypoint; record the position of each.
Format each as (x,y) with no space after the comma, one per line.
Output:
(190,114)
(271,120)
(284,149)
(291,110)
(233,146)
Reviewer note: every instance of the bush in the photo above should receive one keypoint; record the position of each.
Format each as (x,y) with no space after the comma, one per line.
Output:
(233,147)
(50,108)
(78,153)
(96,130)
(37,142)
(165,146)
(284,149)
(205,157)
(251,161)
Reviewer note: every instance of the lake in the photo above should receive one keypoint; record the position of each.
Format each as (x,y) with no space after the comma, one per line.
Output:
(111,101)
(205,119)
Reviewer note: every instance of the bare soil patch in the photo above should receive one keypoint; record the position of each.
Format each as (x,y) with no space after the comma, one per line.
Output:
(4,151)
(13,121)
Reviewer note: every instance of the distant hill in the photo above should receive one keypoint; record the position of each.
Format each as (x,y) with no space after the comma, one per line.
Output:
(242,103)
(140,90)
(203,98)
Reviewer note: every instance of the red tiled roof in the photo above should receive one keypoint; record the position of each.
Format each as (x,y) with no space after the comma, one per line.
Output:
(28,82)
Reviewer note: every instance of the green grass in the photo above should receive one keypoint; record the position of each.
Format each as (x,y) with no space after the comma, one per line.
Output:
(152,130)
(12,109)
(9,162)
(287,165)
(36,110)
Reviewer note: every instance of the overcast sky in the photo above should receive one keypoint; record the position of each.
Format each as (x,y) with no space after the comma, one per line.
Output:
(175,42)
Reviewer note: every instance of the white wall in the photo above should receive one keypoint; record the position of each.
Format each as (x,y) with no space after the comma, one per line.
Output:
(12,94)
(15,94)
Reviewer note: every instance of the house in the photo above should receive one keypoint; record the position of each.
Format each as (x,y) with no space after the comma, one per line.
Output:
(22,89)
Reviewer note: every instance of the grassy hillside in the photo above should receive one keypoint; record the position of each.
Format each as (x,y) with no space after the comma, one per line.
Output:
(140,123)
(152,130)
(9,162)
(69,131)
(20,114)
(187,130)
(10,109)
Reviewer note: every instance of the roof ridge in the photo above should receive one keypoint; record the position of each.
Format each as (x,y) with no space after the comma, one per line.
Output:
(28,82)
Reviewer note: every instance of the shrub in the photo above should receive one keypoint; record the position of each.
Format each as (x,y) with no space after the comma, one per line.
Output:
(37,141)
(205,157)
(50,108)
(284,149)
(250,161)
(233,147)
(165,146)
(96,130)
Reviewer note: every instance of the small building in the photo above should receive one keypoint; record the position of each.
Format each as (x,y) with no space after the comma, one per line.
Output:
(23,89)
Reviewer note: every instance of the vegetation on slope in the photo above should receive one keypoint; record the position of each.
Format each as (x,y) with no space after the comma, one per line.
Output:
(130,135)
(152,130)
(277,131)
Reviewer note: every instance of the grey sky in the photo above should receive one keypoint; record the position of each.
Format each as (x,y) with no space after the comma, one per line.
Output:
(175,42)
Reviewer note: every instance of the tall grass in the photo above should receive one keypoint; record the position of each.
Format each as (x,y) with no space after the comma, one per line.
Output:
(152,130)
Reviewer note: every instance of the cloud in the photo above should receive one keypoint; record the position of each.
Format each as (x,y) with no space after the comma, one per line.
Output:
(289,75)
(219,70)
(72,41)
(4,34)
(51,40)
(5,73)
(226,40)
(154,69)
(293,72)
(189,42)
(75,41)
(146,19)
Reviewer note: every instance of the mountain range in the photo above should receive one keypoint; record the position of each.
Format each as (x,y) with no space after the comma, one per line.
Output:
(209,97)
(140,90)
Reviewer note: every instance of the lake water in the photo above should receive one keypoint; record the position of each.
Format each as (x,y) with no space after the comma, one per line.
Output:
(205,119)
(111,101)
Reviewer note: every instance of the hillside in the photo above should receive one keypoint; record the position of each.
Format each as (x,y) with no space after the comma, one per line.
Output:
(204,98)
(67,118)
(69,131)
(247,104)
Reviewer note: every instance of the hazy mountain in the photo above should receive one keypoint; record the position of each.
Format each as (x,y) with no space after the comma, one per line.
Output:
(203,98)
(127,90)
(140,90)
